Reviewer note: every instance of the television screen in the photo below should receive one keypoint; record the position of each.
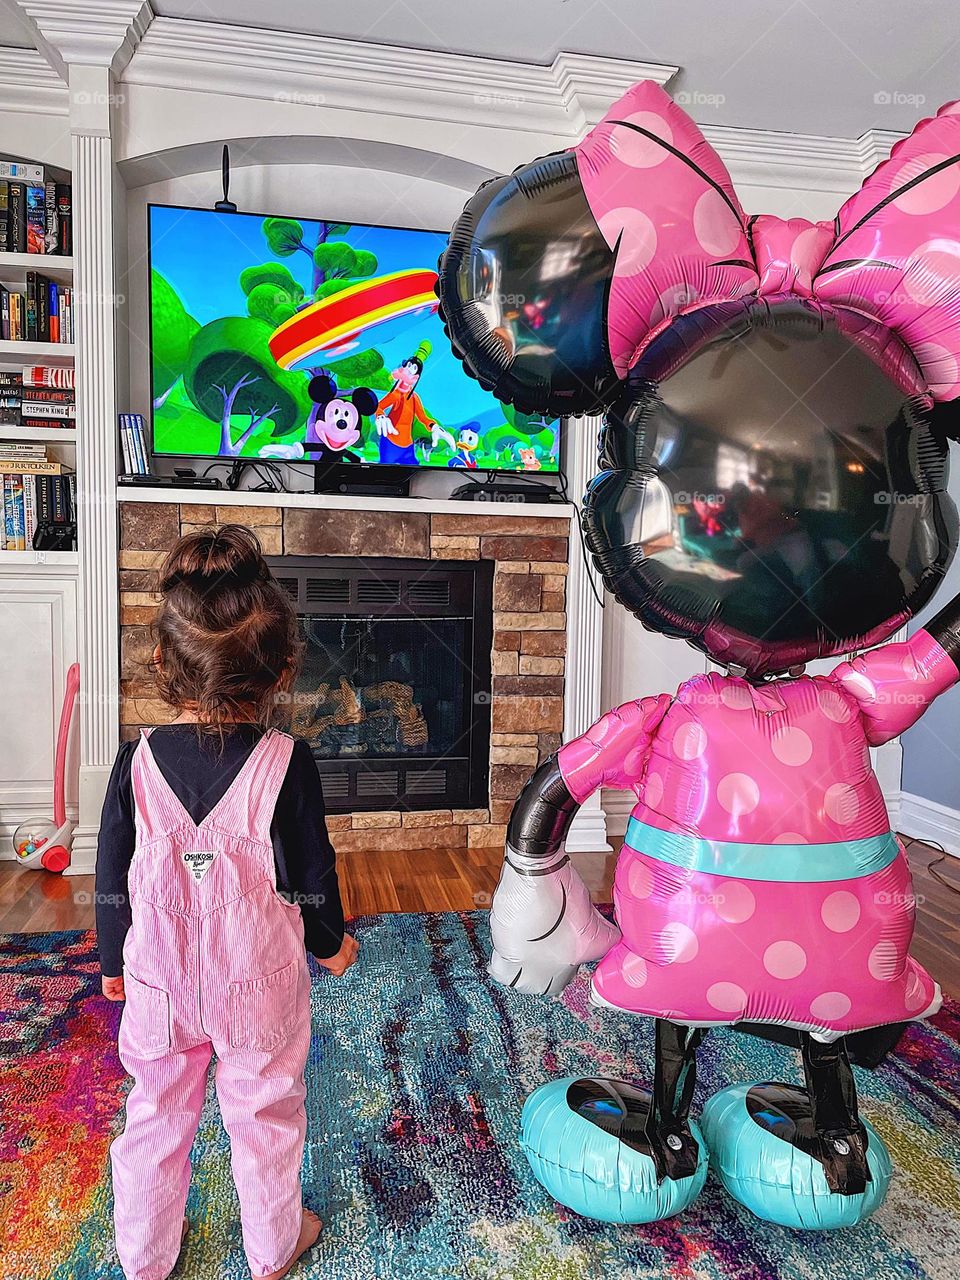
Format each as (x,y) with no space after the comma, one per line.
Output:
(301,340)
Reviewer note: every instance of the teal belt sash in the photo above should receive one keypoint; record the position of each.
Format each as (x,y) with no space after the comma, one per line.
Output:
(808,863)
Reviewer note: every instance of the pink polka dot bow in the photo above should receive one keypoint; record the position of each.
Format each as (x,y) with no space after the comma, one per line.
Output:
(666,207)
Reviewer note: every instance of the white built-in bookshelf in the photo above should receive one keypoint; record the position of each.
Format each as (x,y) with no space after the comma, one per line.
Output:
(61,442)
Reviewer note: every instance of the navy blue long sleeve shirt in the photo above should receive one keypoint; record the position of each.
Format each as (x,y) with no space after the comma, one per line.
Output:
(199,770)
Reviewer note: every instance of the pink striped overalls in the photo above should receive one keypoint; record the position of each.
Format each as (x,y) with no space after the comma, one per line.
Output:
(214,960)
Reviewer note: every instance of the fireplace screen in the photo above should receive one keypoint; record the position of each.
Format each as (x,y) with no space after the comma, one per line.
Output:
(394,693)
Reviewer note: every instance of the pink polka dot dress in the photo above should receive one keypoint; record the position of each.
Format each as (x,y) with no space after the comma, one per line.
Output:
(759,879)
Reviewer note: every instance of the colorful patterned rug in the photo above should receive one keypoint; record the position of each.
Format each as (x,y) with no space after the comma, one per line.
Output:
(418,1070)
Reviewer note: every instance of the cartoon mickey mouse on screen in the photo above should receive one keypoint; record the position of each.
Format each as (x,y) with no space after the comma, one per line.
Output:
(333,425)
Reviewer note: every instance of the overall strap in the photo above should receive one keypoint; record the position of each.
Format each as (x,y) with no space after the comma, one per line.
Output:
(157,809)
(247,808)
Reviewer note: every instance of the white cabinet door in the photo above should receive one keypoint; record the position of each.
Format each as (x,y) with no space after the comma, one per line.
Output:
(38,642)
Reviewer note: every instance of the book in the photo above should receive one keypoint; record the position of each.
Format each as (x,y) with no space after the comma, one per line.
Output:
(138,443)
(29,492)
(47,395)
(4,314)
(51,229)
(9,521)
(36,219)
(31,328)
(36,467)
(47,375)
(31,409)
(16,313)
(65,217)
(24,449)
(4,207)
(17,218)
(53,311)
(42,485)
(126,441)
(41,284)
(16,486)
(10,378)
(66,324)
(20,169)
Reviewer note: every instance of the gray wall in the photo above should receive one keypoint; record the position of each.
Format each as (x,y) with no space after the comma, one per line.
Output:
(931,749)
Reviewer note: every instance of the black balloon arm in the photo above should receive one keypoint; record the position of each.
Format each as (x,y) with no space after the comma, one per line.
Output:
(945,629)
(542,816)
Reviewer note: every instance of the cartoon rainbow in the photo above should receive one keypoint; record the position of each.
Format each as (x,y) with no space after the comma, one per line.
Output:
(341,322)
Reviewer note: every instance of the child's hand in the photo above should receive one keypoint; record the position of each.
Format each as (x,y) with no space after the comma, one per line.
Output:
(113,988)
(341,962)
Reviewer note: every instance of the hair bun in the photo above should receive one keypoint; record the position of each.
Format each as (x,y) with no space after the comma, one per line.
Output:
(210,555)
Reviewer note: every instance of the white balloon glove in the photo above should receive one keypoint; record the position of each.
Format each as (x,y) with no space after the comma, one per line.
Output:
(544,925)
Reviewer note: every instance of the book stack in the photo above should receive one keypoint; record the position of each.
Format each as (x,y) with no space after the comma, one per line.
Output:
(133,444)
(39,396)
(35,210)
(36,490)
(42,312)
(48,397)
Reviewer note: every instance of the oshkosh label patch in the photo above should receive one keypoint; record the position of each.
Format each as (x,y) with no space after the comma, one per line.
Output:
(198,861)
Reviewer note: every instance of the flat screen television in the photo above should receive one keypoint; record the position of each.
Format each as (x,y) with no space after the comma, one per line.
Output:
(296,339)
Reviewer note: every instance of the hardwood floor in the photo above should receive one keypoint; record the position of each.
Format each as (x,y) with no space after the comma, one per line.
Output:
(464,879)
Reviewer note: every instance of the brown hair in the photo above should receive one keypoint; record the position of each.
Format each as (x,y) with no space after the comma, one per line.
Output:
(227,632)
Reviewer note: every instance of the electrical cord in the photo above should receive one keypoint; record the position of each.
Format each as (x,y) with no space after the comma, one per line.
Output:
(931,866)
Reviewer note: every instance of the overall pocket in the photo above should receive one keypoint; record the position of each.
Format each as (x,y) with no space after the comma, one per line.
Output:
(262,1009)
(145,1025)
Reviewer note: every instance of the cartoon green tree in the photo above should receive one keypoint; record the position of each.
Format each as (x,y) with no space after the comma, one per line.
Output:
(273,295)
(230,372)
(173,331)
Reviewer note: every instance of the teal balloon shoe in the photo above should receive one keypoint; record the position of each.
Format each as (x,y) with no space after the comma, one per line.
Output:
(757,1134)
(586,1145)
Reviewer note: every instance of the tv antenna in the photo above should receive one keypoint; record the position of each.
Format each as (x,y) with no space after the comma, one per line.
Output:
(225,205)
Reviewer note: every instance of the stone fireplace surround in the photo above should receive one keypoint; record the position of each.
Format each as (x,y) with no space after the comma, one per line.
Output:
(531,554)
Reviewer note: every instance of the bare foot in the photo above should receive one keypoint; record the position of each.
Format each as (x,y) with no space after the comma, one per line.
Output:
(310,1226)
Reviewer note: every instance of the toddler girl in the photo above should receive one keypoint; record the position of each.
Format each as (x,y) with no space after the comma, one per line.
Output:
(215,874)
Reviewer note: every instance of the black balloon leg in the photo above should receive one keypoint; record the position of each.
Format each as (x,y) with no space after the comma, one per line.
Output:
(674,1149)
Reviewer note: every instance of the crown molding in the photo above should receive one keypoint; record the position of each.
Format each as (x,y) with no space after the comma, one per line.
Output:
(799,160)
(99,33)
(28,83)
(875,146)
(563,98)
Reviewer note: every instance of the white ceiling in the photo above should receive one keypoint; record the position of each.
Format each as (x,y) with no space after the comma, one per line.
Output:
(832,67)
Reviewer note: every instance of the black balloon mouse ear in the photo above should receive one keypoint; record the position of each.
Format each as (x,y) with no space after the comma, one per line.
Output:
(522,287)
(322,389)
(365,401)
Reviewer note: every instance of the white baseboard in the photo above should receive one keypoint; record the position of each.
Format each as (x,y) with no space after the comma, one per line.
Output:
(588,831)
(617,805)
(927,820)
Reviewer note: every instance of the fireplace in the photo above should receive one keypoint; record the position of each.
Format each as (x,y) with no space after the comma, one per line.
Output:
(517,675)
(395,689)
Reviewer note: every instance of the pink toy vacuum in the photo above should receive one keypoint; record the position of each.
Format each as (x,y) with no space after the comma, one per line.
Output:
(47,844)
